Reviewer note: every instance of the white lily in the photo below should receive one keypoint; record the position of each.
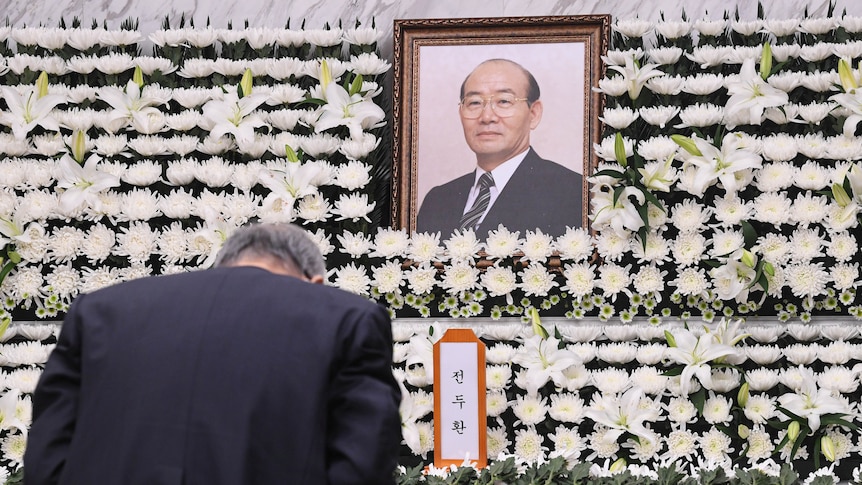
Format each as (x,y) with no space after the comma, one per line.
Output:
(621,215)
(411,413)
(851,98)
(543,360)
(636,76)
(422,349)
(721,164)
(234,115)
(733,280)
(354,111)
(13,230)
(622,414)
(658,176)
(128,103)
(30,109)
(8,417)
(82,184)
(696,353)
(807,401)
(749,92)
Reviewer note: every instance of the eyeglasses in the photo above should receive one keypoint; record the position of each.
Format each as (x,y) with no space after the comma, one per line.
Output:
(503,105)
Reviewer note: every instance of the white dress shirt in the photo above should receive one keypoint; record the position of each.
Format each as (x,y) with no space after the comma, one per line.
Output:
(501,175)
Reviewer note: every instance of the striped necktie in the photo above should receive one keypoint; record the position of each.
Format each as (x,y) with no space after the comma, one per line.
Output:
(470,219)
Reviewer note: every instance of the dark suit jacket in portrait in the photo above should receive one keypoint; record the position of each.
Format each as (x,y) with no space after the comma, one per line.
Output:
(541,194)
(224,376)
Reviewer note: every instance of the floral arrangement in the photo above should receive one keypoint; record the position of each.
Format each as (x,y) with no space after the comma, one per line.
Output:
(729,187)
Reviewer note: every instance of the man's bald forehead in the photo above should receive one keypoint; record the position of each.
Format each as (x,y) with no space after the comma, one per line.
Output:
(533,92)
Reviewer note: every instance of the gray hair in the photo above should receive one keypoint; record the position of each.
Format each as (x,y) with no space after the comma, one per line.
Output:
(285,242)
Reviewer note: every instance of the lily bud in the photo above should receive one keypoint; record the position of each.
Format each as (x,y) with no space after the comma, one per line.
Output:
(743,395)
(138,77)
(620,149)
(766,61)
(687,144)
(356,85)
(618,465)
(793,431)
(246,83)
(290,154)
(325,74)
(827,447)
(538,329)
(669,337)
(743,431)
(42,85)
(768,268)
(841,197)
(748,259)
(79,146)
(14,256)
(846,76)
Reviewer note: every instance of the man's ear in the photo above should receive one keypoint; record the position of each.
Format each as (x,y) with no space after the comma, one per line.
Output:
(316,279)
(536,113)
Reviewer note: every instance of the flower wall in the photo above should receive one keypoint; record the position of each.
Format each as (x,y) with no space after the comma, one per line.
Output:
(728,187)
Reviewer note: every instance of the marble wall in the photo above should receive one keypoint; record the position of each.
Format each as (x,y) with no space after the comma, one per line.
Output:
(316,13)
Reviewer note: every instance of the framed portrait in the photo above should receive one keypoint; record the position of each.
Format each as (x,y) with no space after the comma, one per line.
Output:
(508,96)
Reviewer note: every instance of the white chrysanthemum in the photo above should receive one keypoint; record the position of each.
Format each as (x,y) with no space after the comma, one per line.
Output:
(425,247)
(612,246)
(843,148)
(805,244)
(496,403)
(845,276)
(763,354)
(463,245)
(530,410)
(355,245)
(23,379)
(568,443)
(498,442)
(730,210)
(37,205)
(24,353)
(313,208)
(528,445)
(681,410)
(353,207)
(809,208)
(716,410)
(611,381)
(715,446)
(140,205)
(13,446)
(321,238)
(681,443)
(690,216)
(725,242)
(842,246)
(760,445)
(703,84)
(838,379)
(614,86)
(838,352)
(566,408)
(390,243)
(143,173)
(173,244)
(138,242)
(100,243)
(800,354)
(499,281)
(388,277)
(760,408)
(497,377)
(656,249)
(649,379)
(459,277)
(353,279)
(772,208)
(353,175)
(500,354)
(36,250)
(537,246)
(779,147)
(700,115)
(617,352)
(775,176)
(65,243)
(421,280)
(502,243)
(649,280)
(26,283)
(537,281)
(603,443)
(664,85)
(774,248)
(688,248)
(761,379)
(812,176)
(619,117)
(214,172)
(63,281)
(614,279)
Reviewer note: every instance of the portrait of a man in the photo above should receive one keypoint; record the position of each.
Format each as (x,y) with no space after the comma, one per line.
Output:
(507,181)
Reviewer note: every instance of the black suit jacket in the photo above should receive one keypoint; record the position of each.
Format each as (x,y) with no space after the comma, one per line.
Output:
(540,195)
(225,376)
